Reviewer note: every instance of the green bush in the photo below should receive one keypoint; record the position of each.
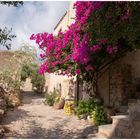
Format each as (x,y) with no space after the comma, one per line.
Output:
(94,108)
(25,72)
(99,115)
(37,80)
(86,106)
(9,81)
(51,98)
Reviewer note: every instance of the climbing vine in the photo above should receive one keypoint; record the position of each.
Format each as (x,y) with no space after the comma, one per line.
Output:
(102,32)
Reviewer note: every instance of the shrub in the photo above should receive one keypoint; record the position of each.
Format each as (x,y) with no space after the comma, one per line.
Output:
(25,72)
(9,81)
(94,108)
(102,33)
(13,99)
(86,107)
(51,98)
(38,81)
(99,115)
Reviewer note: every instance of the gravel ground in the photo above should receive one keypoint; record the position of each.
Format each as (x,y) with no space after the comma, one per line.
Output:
(35,120)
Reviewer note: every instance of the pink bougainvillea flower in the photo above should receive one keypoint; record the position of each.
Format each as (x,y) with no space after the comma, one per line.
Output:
(112,49)
(89,67)
(77,72)
(42,55)
(32,37)
(103,41)
(96,48)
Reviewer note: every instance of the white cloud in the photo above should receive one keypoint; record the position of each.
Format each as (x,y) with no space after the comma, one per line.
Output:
(32,17)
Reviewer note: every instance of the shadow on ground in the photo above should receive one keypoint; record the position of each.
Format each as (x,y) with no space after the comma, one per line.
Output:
(29,96)
(30,127)
(19,114)
(36,131)
(57,132)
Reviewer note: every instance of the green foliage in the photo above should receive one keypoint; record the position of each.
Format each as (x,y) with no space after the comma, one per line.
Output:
(94,108)
(37,80)
(31,71)
(99,115)
(86,106)
(5,36)
(52,97)
(12,3)
(25,72)
(9,81)
(11,73)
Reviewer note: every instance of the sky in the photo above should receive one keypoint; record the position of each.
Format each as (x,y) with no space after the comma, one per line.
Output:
(32,17)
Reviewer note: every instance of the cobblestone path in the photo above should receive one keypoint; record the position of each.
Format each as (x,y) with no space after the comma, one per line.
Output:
(35,120)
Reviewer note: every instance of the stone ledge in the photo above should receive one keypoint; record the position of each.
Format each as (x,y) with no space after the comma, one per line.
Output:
(105,130)
(125,117)
(121,120)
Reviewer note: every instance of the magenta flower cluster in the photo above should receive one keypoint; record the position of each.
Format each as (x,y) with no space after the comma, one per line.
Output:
(70,50)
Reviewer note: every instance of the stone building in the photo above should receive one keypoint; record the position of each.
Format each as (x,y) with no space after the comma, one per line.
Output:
(55,81)
(117,84)
(65,84)
(121,81)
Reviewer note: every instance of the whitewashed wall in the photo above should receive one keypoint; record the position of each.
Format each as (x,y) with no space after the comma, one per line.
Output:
(53,80)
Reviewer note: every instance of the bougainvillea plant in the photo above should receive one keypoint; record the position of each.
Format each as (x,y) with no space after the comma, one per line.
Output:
(101,33)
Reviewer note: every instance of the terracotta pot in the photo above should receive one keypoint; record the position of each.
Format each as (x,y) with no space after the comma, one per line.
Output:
(60,104)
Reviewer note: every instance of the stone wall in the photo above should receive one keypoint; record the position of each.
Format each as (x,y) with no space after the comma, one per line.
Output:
(129,125)
(121,81)
(120,84)
(85,90)
(103,87)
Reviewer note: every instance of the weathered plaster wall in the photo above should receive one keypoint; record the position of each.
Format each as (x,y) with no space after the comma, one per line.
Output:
(66,20)
(54,81)
(63,25)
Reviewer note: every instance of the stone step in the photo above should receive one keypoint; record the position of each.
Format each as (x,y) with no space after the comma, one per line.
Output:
(134,111)
(124,117)
(105,131)
(121,120)
(100,136)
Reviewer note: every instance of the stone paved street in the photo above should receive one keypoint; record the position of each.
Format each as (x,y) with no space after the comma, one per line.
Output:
(35,120)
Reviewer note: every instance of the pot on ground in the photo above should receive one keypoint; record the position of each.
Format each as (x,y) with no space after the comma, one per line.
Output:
(60,104)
